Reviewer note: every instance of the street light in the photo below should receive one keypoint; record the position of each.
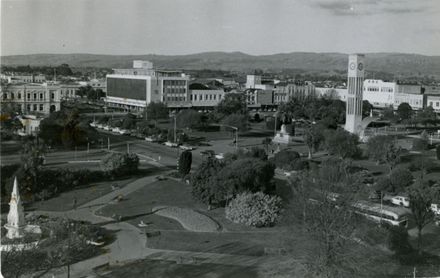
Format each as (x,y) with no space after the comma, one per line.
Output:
(236,134)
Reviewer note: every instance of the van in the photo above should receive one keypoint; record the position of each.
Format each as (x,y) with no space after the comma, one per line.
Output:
(400,201)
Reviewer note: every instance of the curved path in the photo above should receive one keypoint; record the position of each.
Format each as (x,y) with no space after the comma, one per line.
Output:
(130,241)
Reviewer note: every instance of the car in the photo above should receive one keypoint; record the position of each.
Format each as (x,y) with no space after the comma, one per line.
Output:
(400,201)
(124,132)
(150,139)
(116,129)
(187,148)
(106,127)
(93,124)
(160,178)
(220,156)
(171,144)
(435,209)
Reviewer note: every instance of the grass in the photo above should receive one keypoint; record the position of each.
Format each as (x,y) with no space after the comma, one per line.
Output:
(159,268)
(188,218)
(85,194)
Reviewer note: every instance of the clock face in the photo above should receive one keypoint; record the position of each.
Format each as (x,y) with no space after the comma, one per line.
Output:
(352,66)
(361,66)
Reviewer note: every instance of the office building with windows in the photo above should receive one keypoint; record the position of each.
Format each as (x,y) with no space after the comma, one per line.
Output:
(133,89)
(32,98)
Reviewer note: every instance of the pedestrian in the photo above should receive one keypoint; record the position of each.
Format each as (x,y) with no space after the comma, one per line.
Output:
(75,202)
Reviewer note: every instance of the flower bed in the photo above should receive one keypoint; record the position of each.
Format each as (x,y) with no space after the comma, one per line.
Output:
(189,219)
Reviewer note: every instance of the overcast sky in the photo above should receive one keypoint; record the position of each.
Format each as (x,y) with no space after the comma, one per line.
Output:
(192,26)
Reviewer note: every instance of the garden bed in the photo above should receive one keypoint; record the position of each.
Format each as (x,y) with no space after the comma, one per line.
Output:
(189,219)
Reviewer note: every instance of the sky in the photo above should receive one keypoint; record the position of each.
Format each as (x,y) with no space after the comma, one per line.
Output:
(258,27)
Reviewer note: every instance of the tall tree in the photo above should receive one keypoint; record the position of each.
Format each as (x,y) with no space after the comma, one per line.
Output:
(404,111)
(185,161)
(313,138)
(421,195)
(232,104)
(342,143)
(156,111)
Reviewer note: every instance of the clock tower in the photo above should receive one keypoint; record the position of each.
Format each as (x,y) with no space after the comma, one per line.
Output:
(353,113)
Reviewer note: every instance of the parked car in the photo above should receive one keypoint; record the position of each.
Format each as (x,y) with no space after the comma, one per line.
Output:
(171,144)
(220,156)
(400,201)
(150,139)
(124,132)
(436,209)
(187,148)
(106,127)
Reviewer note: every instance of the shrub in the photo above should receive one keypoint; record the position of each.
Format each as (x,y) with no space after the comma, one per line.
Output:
(254,209)
(286,159)
(437,151)
(120,164)
(185,161)
(420,144)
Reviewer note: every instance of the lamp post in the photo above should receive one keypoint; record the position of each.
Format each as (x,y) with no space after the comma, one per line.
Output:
(236,134)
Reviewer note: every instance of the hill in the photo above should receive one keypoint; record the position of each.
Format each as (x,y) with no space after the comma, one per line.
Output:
(397,63)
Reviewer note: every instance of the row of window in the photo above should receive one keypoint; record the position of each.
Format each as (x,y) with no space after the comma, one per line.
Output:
(376,89)
(34,95)
(196,97)
(437,104)
(175,90)
(175,98)
(174,83)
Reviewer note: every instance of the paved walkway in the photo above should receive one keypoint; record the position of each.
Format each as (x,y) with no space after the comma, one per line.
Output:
(130,241)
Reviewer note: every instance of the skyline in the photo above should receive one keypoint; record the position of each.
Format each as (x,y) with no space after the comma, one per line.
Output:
(188,27)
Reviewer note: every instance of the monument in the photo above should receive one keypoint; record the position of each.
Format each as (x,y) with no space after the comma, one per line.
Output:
(283,136)
(355,84)
(16,225)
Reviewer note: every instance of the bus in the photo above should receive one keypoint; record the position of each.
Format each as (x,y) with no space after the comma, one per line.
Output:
(373,211)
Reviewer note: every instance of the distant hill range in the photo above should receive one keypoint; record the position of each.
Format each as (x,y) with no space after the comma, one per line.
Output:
(395,63)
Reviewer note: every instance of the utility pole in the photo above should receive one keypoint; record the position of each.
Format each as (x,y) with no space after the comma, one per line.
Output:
(175,124)
(128,147)
(108,143)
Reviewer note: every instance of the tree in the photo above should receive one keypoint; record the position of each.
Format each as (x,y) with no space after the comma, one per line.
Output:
(422,143)
(313,138)
(204,182)
(366,108)
(397,181)
(267,141)
(239,121)
(404,111)
(119,164)
(156,111)
(421,195)
(342,143)
(185,161)
(437,152)
(129,121)
(383,149)
(388,114)
(32,159)
(73,134)
(217,182)
(329,219)
(232,104)
(189,119)
(285,159)
(426,116)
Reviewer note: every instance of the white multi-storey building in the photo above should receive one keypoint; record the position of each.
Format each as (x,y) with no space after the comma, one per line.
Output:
(378,93)
(134,89)
(31,98)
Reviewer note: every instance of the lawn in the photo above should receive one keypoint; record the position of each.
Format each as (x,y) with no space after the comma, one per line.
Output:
(163,269)
(83,194)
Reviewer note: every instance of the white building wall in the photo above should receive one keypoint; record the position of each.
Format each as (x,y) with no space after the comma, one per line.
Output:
(379,93)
